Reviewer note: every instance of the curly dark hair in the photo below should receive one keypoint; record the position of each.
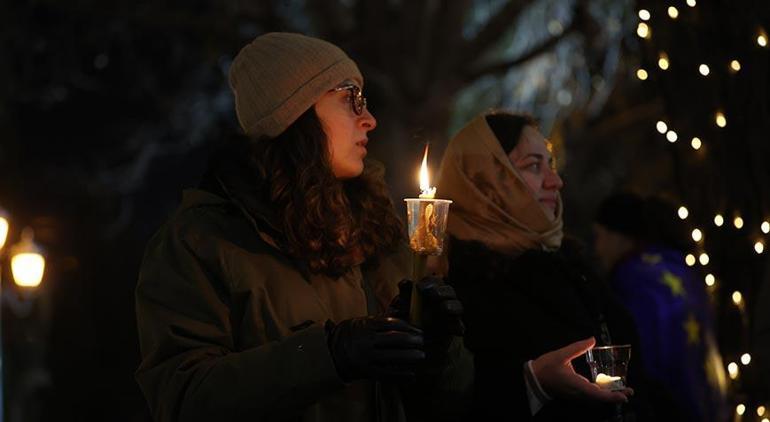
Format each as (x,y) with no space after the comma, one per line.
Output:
(326,223)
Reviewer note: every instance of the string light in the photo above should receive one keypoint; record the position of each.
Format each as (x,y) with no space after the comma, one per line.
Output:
(644,14)
(671,136)
(735,65)
(704,259)
(719,220)
(704,69)
(746,359)
(762,39)
(661,126)
(732,369)
(738,222)
(697,235)
(643,30)
(740,409)
(691,3)
(663,61)
(765,420)
(696,143)
(759,247)
(673,13)
(737,299)
(765,227)
(641,74)
(689,260)
(760,411)
(683,212)
(720,119)
(710,280)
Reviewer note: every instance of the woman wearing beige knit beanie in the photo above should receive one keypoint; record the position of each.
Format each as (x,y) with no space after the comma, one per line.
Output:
(272,292)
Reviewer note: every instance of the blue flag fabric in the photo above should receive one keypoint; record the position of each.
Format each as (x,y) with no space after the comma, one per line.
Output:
(670,307)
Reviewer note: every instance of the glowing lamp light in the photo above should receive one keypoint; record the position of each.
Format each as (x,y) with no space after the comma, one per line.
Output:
(661,126)
(703,259)
(641,74)
(663,61)
(3,229)
(759,247)
(710,280)
(738,222)
(735,65)
(765,420)
(737,299)
(643,30)
(761,411)
(672,136)
(644,14)
(720,119)
(691,3)
(762,40)
(746,359)
(27,262)
(673,12)
(683,213)
(689,260)
(719,220)
(740,409)
(696,143)
(732,369)
(704,69)
(765,227)
(697,235)
(427,191)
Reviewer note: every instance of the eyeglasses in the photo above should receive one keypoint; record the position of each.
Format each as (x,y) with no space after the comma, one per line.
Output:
(357,99)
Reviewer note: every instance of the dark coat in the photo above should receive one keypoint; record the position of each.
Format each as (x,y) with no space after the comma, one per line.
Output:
(517,309)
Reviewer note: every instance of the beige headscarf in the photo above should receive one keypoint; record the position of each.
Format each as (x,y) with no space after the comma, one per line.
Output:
(492,203)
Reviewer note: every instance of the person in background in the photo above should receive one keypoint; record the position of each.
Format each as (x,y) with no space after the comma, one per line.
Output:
(269,294)
(532,307)
(640,244)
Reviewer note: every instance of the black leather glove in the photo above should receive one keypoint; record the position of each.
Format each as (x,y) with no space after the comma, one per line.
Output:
(381,348)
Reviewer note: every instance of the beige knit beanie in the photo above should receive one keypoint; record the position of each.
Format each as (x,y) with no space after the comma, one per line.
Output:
(280,75)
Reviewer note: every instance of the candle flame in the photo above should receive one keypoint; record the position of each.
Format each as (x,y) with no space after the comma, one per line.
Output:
(427,192)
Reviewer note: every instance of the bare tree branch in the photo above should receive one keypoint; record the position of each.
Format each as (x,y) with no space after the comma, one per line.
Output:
(494,29)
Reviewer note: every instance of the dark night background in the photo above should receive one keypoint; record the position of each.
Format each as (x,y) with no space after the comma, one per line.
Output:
(109,109)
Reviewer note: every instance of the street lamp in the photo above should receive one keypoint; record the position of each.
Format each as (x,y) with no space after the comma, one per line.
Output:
(27,262)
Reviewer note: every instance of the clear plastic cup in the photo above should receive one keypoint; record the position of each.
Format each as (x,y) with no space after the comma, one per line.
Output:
(427,220)
(609,365)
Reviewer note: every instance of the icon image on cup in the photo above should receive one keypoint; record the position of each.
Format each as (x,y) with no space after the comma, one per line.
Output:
(609,365)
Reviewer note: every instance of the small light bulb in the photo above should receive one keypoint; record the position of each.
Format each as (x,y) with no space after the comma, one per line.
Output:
(737,298)
(762,40)
(644,14)
(704,259)
(661,127)
(683,212)
(691,3)
(765,227)
(697,235)
(732,369)
(643,30)
(671,136)
(735,65)
(721,120)
(759,247)
(641,74)
(740,409)
(738,222)
(696,143)
(760,411)
(710,280)
(673,13)
(765,420)
(719,220)
(704,69)
(689,260)
(663,61)
(746,359)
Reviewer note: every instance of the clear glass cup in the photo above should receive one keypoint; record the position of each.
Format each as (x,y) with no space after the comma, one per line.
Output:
(427,220)
(609,365)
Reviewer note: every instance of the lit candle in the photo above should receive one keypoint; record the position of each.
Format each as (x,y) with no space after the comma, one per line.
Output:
(426,191)
(608,382)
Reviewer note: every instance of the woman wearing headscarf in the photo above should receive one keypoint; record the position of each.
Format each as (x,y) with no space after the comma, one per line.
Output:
(532,308)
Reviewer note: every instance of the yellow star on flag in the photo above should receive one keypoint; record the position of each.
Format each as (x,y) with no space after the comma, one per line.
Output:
(673,282)
(693,330)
